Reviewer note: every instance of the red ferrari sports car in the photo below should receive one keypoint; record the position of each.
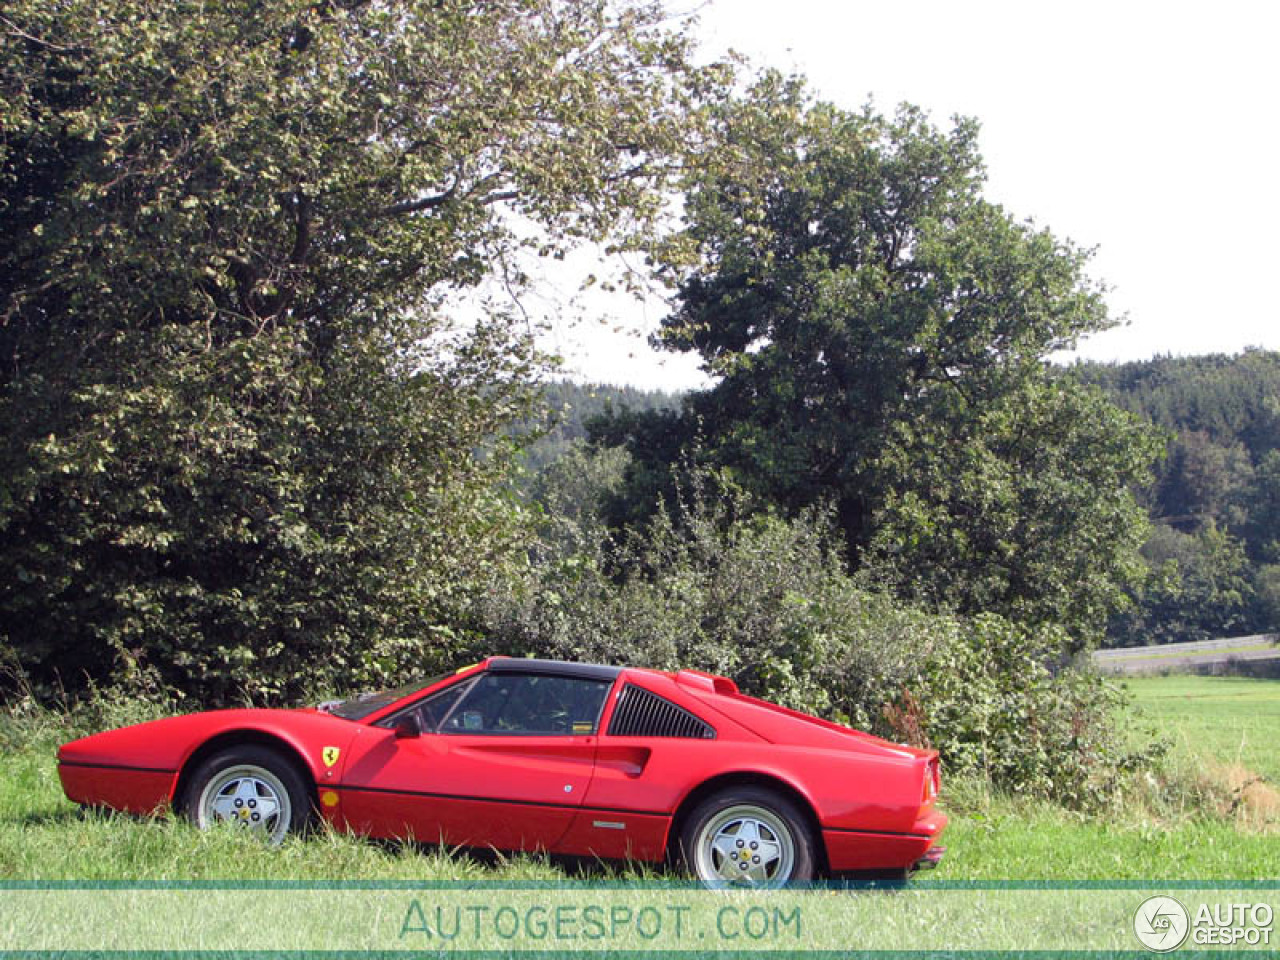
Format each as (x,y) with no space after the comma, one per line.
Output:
(568,758)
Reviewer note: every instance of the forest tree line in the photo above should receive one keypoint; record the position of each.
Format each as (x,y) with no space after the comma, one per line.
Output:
(1213,553)
(1211,556)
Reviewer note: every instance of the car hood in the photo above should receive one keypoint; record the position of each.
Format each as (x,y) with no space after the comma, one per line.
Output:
(166,744)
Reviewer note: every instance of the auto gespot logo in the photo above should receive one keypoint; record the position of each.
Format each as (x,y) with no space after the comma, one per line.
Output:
(1162,924)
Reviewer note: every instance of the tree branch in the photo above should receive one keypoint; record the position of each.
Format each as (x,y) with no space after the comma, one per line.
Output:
(17,31)
(302,232)
(440,199)
(417,206)
(498,196)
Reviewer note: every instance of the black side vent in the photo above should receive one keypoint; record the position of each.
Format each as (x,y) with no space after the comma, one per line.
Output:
(643,714)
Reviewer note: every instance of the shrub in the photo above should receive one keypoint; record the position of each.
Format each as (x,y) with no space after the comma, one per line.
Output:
(766,602)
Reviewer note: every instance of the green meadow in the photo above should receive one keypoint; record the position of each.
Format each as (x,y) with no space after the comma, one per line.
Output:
(1223,720)
(1190,822)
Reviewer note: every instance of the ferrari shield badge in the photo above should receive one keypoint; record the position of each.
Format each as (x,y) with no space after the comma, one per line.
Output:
(330,755)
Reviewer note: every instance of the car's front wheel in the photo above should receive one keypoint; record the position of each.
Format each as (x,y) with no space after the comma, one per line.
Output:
(251,787)
(748,837)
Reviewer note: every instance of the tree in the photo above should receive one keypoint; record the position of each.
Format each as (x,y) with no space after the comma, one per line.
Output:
(1267,585)
(571,406)
(1219,487)
(1263,526)
(245,447)
(880,334)
(1199,587)
(1024,508)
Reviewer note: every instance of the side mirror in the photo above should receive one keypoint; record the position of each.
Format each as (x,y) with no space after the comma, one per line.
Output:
(408,726)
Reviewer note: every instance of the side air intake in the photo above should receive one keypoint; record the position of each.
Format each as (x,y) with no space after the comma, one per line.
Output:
(643,714)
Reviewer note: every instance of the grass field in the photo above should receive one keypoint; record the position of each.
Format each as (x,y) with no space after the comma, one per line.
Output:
(1212,722)
(1222,733)
(1230,720)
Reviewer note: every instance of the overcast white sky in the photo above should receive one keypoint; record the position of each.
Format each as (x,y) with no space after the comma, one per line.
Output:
(1148,130)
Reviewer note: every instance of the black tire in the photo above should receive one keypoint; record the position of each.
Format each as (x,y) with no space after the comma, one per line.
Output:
(251,785)
(748,836)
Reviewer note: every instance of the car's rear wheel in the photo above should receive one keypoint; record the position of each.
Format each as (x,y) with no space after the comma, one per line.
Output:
(748,837)
(253,788)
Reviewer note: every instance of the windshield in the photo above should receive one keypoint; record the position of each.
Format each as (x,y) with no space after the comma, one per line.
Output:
(361,706)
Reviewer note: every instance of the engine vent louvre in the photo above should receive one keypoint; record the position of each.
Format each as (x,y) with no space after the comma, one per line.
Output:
(643,714)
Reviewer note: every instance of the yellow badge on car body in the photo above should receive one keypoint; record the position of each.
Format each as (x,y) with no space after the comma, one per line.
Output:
(330,755)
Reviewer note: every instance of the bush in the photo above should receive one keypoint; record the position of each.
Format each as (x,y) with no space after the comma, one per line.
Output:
(1002,702)
(766,602)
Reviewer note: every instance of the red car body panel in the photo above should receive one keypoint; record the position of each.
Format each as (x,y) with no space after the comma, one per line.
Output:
(593,794)
(137,768)
(481,790)
(120,788)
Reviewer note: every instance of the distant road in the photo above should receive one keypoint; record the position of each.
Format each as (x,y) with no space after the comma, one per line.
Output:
(1198,653)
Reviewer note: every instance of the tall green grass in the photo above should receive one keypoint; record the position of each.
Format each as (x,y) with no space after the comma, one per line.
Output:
(992,836)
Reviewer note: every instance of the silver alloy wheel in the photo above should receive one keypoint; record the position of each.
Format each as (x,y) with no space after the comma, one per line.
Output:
(745,846)
(249,796)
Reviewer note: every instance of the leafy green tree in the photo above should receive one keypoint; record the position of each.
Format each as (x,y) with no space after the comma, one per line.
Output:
(1230,399)
(1203,481)
(1267,586)
(1199,587)
(1023,507)
(1263,526)
(879,331)
(569,407)
(245,447)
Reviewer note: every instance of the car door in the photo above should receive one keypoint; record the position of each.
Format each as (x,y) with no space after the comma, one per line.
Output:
(504,761)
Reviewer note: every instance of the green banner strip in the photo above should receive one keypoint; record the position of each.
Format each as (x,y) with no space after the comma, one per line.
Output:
(249,920)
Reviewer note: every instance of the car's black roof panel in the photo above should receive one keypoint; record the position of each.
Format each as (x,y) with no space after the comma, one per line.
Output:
(590,671)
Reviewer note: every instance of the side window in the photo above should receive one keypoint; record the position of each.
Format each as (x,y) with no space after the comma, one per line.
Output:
(511,703)
(432,710)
